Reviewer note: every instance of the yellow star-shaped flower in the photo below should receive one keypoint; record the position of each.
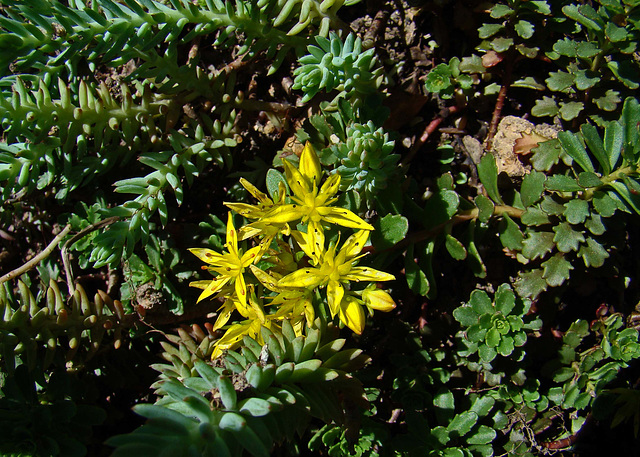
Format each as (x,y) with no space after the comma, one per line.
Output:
(311,202)
(333,268)
(228,266)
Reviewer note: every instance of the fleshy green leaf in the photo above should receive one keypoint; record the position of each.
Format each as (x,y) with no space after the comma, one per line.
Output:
(562,183)
(556,270)
(456,248)
(572,146)
(488,173)
(593,253)
(537,244)
(391,229)
(532,188)
(530,284)
(576,211)
(566,238)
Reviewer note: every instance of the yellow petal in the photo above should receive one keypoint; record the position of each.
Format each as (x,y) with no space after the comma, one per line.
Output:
(249,231)
(251,256)
(299,184)
(354,244)
(253,190)
(224,313)
(207,255)
(203,284)
(256,306)
(305,277)
(310,164)
(343,217)
(329,189)
(241,290)
(243,209)
(335,294)
(378,299)
(232,236)
(283,213)
(368,274)
(352,314)
(213,287)
(311,242)
(265,278)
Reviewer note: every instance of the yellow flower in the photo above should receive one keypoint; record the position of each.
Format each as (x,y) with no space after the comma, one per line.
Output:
(333,268)
(250,326)
(293,304)
(311,202)
(266,231)
(229,266)
(377,299)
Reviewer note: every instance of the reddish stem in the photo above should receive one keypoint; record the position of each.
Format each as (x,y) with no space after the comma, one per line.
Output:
(502,95)
(433,125)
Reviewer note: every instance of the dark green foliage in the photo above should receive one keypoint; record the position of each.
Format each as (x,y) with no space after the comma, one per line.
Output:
(43,420)
(125,119)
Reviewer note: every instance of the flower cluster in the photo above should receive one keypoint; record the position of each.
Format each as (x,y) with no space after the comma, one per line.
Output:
(305,267)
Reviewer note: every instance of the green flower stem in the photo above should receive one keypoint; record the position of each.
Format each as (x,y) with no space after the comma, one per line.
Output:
(38,258)
(615,175)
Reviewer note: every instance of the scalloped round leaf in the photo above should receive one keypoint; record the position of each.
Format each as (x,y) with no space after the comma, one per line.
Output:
(546,106)
(559,81)
(465,315)
(510,235)
(609,101)
(481,302)
(532,188)
(556,270)
(570,110)
(492,338)
(566,238)
(486,353)
(537,244)
(524,29)
(576,211)
(593,254)
(505,299)
(530,284)
(562,183)
(475,333)
(390,229)
(462,423)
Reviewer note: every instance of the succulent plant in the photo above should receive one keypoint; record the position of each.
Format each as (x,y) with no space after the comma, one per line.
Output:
(496,327)
(366,160)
